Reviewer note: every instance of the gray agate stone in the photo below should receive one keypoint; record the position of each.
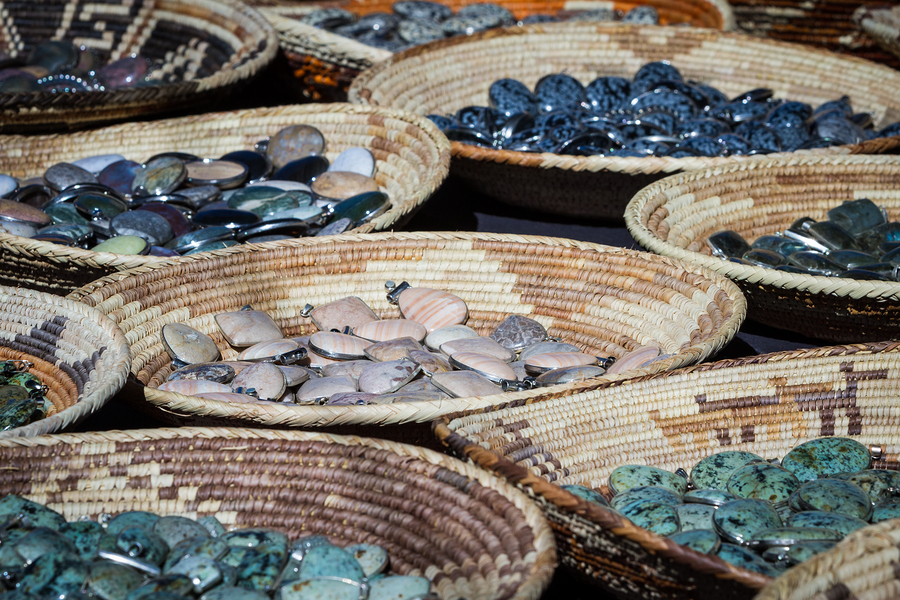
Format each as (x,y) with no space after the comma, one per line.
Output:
(738,521)
(826,456)
(516,332)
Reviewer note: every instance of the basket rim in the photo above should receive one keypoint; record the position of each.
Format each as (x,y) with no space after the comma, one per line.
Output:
(816,284)
(111,378)
(434,173)
(424,411)
(359,93)
(608,519)
(544,545)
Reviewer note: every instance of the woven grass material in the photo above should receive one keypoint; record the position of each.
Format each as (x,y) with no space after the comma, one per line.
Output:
(882,24)
(445,76)
(674,217)
(326,63)
(861,566)
(412,158)
(605,300)
(207,48)
(473,535)
(78,353)
(763,404)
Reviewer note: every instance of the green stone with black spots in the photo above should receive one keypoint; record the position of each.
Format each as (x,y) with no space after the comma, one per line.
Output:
(200,546)
(631,476)
(111,581)
(714,471)
(36,514)
(212,525)
(53,575)
(12,393)
(790,556)
(44,540)
(889,508)
(788,536)
(134,518)
(235,555)
(21,412)
(230,592)
(330,561)
(586,493)
(170,583)
(661,519)
(330,589)
(763,481)
(707,496)
(695,516)
(746,559)
(704,541)
(877,483)
(833,495)
(259,569)
(739,520)
(9,558)
(142,544)
(174,529)
(652,493)
(823,457)
(843,524)
(204,572)
(255,538)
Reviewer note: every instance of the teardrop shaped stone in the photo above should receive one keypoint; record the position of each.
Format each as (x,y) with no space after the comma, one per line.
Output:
(432,308)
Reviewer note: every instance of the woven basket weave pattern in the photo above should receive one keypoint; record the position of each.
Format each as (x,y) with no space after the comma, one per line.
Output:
(763,404)
(882,24)
(445,76)
(675,216)
(472,534)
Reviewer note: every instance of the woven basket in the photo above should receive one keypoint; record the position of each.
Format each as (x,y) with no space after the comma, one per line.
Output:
(470,533)
(445,76)
(77,352)
(882,24)
(824,23)
(412,158)
(861,566)
(675,216)
(208,48)
(606,300)
(763,404)
(326,63)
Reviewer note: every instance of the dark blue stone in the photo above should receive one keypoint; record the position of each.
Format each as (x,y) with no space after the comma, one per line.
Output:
(516,124)
(468,135)
(698,97)
(842,104)
(675,103)
(792,138)
(481,117)
(716,97)
(702,126)
(738,112)
(303,170)
(762,139)
(754,95)
(734,144)
(590,143)
(564,133)
(441,121)
(257,164)
(863,120)
(557,118)
(661,119)
(649,146)
(606,94)
(559,91)
(423,10)
(227,217)
(119,176)
(704,146)
(511,96)
(891,130)
(651,74)
(789,114)
(682,153)
(839,131)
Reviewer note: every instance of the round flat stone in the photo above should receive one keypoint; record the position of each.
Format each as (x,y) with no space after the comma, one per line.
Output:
(707,496)
(695,516)
(586,493)
(796,554)
(258,166)
(739,520)
(266,378)
(745,559)
(148,225)
(354,160)
(341,185)
(660,495)
(843,524)
(826,456)
(387,377)
(324,387)
(464,384)
(546,348)
(569,374)
(833,495)
(194,387)
(661,519)
(188,345)
(713,472)
(788,536)
(123,244)
(159,176)
(178,223)
(303,170)
(627,477)
(224,174)
(120,176)
(495,369)
(704,541)
(391,329)
(346,368)
(62,175)
(516,332)
(763,481)
(542,363)
(294,142)
(436,338)
(338,345)
(268,349)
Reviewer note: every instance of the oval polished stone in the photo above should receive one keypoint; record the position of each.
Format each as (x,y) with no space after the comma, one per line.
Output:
(464,384)
(796,554)
(714,471)
(342,185)
(695,516)
(150,226)
(661,519)
(159,176)
(889,508)
(516,332)
(430,363)
(360,208)
(745,559)
(495,369)
(226,217)
(294,142)
(62,175)
(704,541)
(224,174)
(178,223)
(568,375)
(245,328)
(542,363)
(192,387)
(399,586)
(303,170)
(627,477)
(390,329)
(707,496)
(826,456)
(354,160)
(478,345)
(739,520)
(23,212)
(437,337)
(188,345)
(120,176)
(218,372)
(346,368)
(316,589)
(586,493)
(634,360)
(266,378)
(176,529)
(657,494)
(387,377)
(833,495)
(324,387)
(258,165)
(109,581)
(392,349)
(843,524)
(371,558)
(95,164)
(546,348)
(788,536)
(763,481)
(124,72)
(349,312)
(338,345)
(352,399)
(268,349)
(877,483)
(228,397)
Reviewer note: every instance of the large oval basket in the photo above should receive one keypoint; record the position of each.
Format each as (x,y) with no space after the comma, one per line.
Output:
(206,47)
(412,159)
(77,352)
(445,76)
(605,300)
(763,404)
(674,217)
(326,63)
(473,535)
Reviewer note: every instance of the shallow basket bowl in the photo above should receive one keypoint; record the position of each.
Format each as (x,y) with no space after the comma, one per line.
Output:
(208,48)
(763,404)
(882,24)
(77,352)
(325,63)
(605,300)
(469,532)
(444,76)
(412,158)
(673,217)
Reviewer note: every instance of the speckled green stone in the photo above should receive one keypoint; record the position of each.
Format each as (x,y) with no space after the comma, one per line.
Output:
(204,572)
(661,519)
(660,495)
(174,529)
(707,496)
(746,559)
(586,493)
(371,558)
(843,524)
(318,589)
(229,592)
(109,581)
(134,518)
(41,541)
(200,546)
(739,520)
(212,525)
(877,483)
(143,544)
(330,561)
(714,471)
(833,495)
(289,200)
(631,476)
(235,555)
(254,538)
(53,575)
(695,516)
(796,554)
(763,481)
(259,569)
(399,586)
(704,541)
(788,536)
(889,508)
(254,198)
(37,514)
(822,457)
(171,583)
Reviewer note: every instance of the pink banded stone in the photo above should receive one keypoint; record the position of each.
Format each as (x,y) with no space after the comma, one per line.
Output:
(229,397)
(481,345)
(192,387)
(493,368)
(430,363)
(324,387)
(464,384)
(268,349)
(634,359)
(338,345)
(387,377)
(391,329)
(558,360)
(266,378)
(392,349)
(248,327)
(432,308)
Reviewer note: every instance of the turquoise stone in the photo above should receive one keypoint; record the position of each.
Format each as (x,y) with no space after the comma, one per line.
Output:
(199,546)
(695,516)
(739,520)
(586,493)
(254,538)
(65,212)
(259,568)
(360,208)
(707,496)
(796,554)
(714,471)
(788,536)
(159,176)
(398,586)
(204,572)
(745,559)
(41,541)
(330,561)
(826,456)
(856,216)
(371,558)
(889,508)
(228,592)
(135,518)
(37,515)
(661,519)
(833,495)
(175,529)
(109,581)
(877,483)
(763,481)
(171,583)
(704,541)
(54,575)
(143,544)
(652,493)
(631,476)
(212,524)
(319,589)
(843,524)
